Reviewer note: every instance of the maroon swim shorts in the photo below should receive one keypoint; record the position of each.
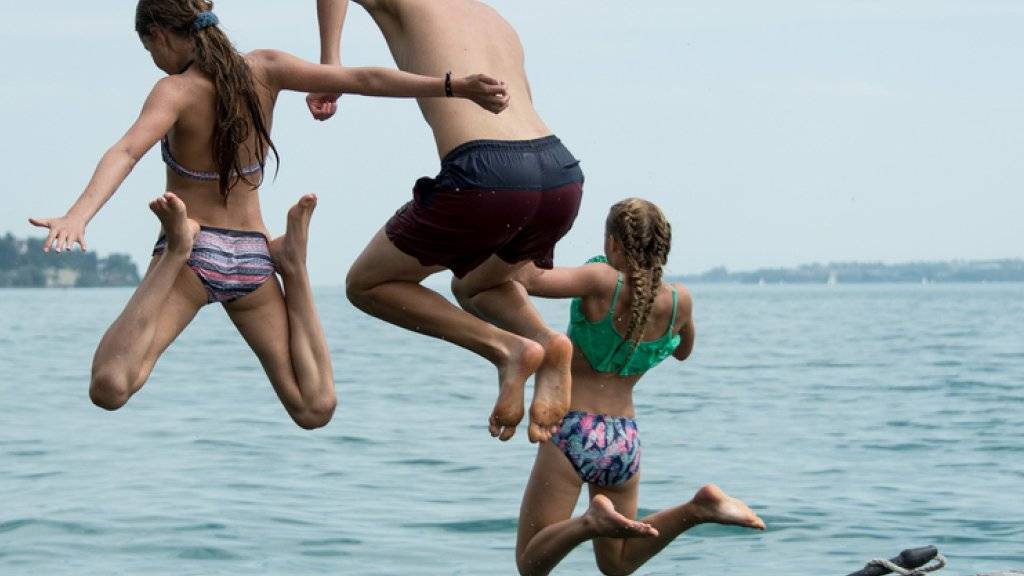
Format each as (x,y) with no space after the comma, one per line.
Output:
(513,199)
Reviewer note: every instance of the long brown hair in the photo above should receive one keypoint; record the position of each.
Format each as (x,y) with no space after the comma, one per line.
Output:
(645,235)
(238,105)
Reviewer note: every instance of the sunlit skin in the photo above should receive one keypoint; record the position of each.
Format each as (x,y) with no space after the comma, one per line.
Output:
(431,37)
(281,326)
(547,532)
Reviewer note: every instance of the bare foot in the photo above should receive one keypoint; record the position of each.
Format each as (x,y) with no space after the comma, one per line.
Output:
(512,374)
(179,229)
(552,389)
(607,522)
(720,508)
(289,251)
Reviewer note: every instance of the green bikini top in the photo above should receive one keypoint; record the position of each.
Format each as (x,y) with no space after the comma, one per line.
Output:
(606,350)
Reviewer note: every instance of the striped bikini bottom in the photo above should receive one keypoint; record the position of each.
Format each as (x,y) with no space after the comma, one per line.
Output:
(229,263)
(604,450)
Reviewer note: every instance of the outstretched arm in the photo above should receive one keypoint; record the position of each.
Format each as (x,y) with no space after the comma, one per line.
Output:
(330,15)
(687,330)
(288,72)
(586,280)
(158,115)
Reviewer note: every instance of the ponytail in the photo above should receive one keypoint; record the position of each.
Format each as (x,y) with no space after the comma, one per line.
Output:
(645,236)
(239,111)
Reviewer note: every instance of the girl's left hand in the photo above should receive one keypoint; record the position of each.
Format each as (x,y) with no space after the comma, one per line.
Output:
(489,93)
(64,232)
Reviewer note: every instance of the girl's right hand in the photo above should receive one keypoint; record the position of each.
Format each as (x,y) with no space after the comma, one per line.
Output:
(489,93)
(64,232)
(322,106)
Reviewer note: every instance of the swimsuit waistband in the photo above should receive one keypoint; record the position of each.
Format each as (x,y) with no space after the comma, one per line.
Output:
(502,145)
(599,415)
(539,164)
(224,232)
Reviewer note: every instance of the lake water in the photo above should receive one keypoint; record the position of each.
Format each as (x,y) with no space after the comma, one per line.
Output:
(856,420)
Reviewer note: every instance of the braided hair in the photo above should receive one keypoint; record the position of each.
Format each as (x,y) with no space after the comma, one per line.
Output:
(239,110)
(645,235)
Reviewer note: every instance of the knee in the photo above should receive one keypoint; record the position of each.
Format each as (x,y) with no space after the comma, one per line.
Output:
(524,567)
(461,292)
(108,391)
(317,414)
(357,289)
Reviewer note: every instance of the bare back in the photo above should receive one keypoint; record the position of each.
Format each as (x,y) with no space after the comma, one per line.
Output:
(432,37)
(191,144)
(609,393)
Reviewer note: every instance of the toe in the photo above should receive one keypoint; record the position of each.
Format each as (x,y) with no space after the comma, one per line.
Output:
(507,433)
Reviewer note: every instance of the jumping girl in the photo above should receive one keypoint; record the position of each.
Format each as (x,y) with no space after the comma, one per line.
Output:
(618,299)
(212,116)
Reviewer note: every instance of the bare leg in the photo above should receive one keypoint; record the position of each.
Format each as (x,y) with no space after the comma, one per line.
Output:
(385,282)
(163,304)
(507,304)
(299,364)
(709,505)
(546,531)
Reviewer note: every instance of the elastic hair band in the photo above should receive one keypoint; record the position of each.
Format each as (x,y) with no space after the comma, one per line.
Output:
(204,20)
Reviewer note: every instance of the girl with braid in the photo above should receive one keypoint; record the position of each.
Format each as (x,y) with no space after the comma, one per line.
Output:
(623,322)
(212,117)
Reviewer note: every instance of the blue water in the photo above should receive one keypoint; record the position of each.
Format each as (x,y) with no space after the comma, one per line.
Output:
(856,420)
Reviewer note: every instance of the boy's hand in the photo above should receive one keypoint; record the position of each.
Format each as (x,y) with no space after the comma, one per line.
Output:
(489,93)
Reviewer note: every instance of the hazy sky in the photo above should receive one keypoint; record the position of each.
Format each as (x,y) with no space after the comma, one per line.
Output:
(771,133)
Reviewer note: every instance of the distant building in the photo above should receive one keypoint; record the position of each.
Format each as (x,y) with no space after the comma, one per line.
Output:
(24,264)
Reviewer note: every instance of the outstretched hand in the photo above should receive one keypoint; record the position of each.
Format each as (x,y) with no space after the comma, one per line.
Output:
(64,232)
(489,93)
(322,106)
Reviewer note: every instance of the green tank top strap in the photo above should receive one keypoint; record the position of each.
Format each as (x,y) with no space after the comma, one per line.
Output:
(615,297)
(606,350)
(675,304)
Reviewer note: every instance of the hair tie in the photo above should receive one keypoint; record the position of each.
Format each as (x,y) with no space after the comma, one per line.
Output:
(204,20)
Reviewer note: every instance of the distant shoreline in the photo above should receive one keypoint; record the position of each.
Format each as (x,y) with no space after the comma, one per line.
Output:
(949,272)
(23,264)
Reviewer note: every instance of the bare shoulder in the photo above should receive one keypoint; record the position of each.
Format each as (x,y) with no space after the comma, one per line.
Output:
(171,91)
(262,56)
(262,59)
(266,63)
(684,303)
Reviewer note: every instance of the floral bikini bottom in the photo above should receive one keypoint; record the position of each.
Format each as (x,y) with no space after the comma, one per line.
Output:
(604,450)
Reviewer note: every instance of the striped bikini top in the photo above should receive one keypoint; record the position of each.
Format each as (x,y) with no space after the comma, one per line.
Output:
(606,350)
(165,152)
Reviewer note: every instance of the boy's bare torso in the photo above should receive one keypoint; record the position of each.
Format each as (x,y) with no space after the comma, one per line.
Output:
(432,37)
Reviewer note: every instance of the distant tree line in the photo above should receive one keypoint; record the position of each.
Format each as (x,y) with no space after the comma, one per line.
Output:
(1009,270)
(24,264)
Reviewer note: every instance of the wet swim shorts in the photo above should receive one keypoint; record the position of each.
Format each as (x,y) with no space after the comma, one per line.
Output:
(513,199)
